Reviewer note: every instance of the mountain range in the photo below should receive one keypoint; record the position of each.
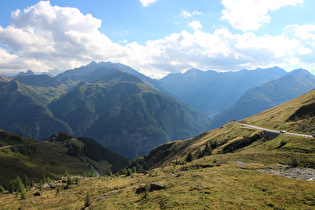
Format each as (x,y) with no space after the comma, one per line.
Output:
(100,101)
(213,92)
(268,95)
(233,166)
(130,113)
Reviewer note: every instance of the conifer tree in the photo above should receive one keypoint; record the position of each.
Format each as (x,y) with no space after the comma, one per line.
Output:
(26,182)
(41,185)
(189,157)
(129,172)
(124,171)
(207,150)
(16,185)
(23,194)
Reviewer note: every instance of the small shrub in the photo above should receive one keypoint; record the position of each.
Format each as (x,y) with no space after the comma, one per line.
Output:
(283,142)
(294,160)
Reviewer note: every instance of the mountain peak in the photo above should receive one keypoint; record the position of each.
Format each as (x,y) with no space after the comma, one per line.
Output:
(299,71)
(28,73)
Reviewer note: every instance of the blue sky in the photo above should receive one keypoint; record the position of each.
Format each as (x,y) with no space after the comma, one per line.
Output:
(157,37)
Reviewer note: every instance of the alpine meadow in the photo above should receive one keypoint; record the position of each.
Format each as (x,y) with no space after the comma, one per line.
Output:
(157,104)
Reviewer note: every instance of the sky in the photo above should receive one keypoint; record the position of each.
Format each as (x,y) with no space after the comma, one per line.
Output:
(157,37)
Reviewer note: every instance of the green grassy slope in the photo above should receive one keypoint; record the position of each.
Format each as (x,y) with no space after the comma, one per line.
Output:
(51,158)
(296,115)
(47,159)
(23,113)
(125,114)
(235,142)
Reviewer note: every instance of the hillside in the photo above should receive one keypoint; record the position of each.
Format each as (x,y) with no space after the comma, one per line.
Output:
(268,95)
(48,88)
(104,101)
(295,115)
(53,157)
(23,112)
(235,142)
(243,169)
(124,114)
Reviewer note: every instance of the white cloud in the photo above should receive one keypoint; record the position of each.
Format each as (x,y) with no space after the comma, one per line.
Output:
(56,37)
(196,25)
(186,14)
(47,38)
(146,3)
(249,15)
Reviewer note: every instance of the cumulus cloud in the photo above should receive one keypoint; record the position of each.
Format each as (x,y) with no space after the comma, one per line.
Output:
(49,38)
(146,3)
(196,25)
(249,15)
(56,37)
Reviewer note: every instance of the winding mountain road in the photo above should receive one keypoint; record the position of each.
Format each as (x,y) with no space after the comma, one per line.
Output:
(272,131)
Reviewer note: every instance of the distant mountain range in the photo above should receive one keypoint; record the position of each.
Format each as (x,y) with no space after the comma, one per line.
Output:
(211,92)
(268,95)
(101,101)
(130,113)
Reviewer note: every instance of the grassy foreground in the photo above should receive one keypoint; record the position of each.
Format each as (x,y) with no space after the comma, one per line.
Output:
(199,184)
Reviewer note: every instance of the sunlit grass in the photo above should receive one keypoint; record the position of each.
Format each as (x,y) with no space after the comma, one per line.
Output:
(222,187)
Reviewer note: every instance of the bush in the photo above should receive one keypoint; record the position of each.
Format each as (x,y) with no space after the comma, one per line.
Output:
(283,142)
(294,160)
